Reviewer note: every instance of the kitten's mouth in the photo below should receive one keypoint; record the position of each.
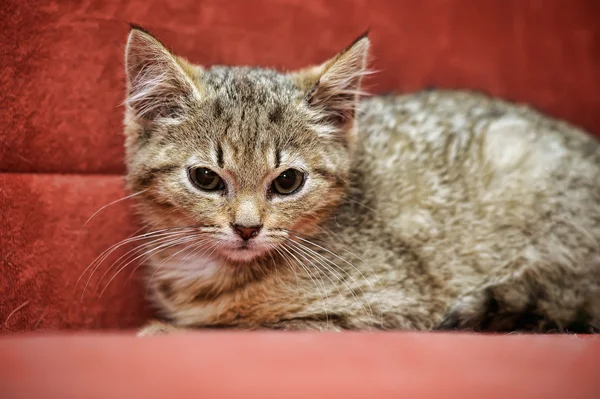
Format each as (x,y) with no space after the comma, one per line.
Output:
(243,252)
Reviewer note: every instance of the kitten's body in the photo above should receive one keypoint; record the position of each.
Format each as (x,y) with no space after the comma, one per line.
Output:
(446,207)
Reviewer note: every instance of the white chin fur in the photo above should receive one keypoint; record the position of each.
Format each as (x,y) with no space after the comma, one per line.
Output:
(242,255)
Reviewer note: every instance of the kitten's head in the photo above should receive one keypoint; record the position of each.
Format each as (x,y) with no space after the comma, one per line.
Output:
(247,155)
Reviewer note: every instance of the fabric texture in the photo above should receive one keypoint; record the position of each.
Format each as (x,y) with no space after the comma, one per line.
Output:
(62,85)
(47,246)
(292,365)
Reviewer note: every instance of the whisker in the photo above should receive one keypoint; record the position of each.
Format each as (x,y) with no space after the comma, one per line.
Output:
(336,236)
(300,253)
(320,258)
(346,198)
(119,244)
(192,245)
(144,252)
(147,254)
(345,261)
(132,252)
(272,247)
(192,253)
(161,236)
(289,265)
(141,263)
(213,246)
(307,252)
(106,253)
(114,202)
(340,258)
(310,275)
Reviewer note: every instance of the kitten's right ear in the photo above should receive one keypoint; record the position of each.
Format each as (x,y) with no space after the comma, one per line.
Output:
(159,84)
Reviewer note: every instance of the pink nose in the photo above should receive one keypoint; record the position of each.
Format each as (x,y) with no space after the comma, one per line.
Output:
(246,232)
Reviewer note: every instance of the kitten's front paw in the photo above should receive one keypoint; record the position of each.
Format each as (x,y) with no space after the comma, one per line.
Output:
(467,313)
(157,328)
(491,308)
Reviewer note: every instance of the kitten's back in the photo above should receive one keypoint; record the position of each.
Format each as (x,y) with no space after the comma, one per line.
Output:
(449,186)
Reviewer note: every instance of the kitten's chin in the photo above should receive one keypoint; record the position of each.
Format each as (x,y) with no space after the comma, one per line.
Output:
(242,255)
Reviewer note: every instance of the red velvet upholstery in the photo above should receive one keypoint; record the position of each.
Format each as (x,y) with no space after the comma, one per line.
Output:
(46,248)
(62,84)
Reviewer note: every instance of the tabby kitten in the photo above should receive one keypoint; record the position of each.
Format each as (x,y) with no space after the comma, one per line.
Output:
(279,200)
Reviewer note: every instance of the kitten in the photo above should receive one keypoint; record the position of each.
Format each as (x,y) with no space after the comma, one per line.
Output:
(280,201)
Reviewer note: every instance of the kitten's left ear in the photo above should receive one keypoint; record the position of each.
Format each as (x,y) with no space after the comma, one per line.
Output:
(333,88)
(160,84)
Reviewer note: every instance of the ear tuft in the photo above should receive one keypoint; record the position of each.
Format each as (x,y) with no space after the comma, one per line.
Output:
(135,26)
(158,85)
(335,94)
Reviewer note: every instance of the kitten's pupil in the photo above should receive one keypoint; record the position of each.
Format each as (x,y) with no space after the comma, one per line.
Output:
(288,182)
(206,179)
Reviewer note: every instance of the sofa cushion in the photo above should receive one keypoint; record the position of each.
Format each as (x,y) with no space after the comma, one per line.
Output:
(286,365)
(45,246)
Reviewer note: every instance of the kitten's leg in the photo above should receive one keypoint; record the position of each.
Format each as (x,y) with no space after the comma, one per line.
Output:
(540,298)
(304,325)
(156,327)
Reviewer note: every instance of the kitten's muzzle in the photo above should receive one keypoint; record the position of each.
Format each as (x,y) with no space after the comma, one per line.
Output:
(246,232)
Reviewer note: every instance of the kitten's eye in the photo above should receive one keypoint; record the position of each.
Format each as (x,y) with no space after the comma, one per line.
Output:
(288,182)
(205,179)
